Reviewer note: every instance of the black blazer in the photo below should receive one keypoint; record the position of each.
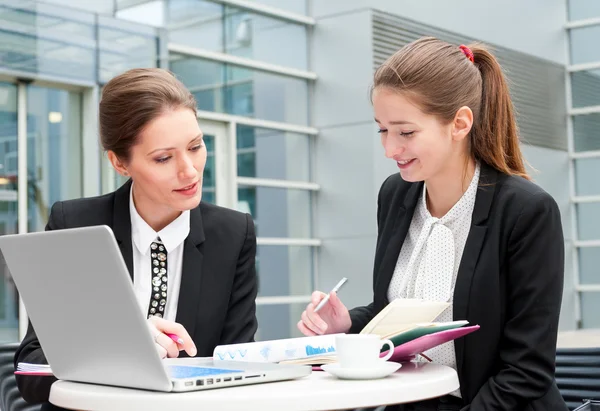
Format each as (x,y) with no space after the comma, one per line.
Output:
(510,282)
(218,283)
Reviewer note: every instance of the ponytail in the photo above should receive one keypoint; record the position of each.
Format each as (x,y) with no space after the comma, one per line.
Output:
(495,136)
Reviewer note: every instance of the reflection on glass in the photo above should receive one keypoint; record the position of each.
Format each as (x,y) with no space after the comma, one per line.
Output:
(590,306)
(277,212)
(284,270)
(294,6)
(53,150)
(208,182)
(583,9)
(9,298)
(233,90)
(278,321)
(123,46)
(265,39)
(589,263)
(195,23)
(585,86)
(584,44)
(61,41)
(21,52)
(588,222)
(273,154)
(587,182)
(226,29)
(586,132)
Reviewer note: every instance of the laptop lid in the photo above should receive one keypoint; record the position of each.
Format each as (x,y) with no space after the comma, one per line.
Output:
(81,303)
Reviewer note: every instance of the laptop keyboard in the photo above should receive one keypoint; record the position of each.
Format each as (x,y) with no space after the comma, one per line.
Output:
(186,371)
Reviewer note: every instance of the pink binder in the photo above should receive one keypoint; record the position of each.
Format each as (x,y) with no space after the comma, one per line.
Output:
(406,351)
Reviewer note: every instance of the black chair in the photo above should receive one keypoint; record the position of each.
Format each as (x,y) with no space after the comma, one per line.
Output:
(578,374)
(10,397)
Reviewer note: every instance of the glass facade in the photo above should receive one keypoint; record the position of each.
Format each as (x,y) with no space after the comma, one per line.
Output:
(209,190)
(285,316)
(9,300)
(277,212)
(273,154)
(583,9)
(53,151)
(51,56)
(585,99)
(67,54)
(228,89)
(225,29)
(75,45)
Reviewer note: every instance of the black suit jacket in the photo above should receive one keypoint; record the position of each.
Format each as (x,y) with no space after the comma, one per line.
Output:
(510,282)
(218,283)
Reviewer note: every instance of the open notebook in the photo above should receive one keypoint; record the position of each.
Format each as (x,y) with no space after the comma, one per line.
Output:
(408,323)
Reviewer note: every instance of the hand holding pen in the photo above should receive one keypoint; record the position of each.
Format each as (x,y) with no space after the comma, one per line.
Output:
(326,314)
(170,338)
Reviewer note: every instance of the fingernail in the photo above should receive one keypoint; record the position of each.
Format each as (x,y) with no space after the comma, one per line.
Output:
(180,340)
(194,352)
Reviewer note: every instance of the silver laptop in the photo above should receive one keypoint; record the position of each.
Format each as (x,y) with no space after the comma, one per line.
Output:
(80,299)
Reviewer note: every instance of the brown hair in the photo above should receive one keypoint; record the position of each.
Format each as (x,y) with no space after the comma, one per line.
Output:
(131,100)
(440,79)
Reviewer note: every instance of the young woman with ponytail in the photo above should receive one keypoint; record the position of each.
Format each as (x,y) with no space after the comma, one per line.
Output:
(462,222)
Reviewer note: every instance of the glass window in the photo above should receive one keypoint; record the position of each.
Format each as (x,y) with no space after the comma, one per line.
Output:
(208,181)
(278,321)
(587,171)
(9,299)
(226,29)
(583,9)
(233,90)
(33,40)
(586,132)
(584,44)
(196,23)
(123,46)
(53,150)
(585,86)
(265,39)
(284,270)
(277,212)
(588,223)
(272,154)
(590,306)
(294,6)
(589,265)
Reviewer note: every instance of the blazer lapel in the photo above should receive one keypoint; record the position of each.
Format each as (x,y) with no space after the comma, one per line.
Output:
(483,203)
(122,225)
(191,274)
(400,228)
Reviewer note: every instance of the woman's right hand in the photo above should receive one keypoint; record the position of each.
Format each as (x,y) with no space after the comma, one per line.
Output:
(333,318)
(165,346)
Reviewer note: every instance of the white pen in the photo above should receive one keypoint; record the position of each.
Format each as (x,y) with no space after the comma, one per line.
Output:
(335,289)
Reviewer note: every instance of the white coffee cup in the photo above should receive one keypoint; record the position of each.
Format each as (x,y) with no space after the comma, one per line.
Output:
(361,350)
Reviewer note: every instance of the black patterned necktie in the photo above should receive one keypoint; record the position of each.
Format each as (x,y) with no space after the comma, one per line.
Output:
(158,263)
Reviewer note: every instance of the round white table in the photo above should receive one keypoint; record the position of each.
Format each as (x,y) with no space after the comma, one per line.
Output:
(319,391)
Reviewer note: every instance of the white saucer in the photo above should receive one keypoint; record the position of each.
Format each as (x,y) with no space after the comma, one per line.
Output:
(385,369)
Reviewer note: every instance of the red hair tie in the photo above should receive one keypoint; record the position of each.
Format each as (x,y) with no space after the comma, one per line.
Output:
(467,52)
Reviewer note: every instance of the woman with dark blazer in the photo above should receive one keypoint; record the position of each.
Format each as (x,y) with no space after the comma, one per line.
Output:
(192,264)
(463,223)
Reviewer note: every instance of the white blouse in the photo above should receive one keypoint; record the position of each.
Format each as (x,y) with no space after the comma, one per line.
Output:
(430,256)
